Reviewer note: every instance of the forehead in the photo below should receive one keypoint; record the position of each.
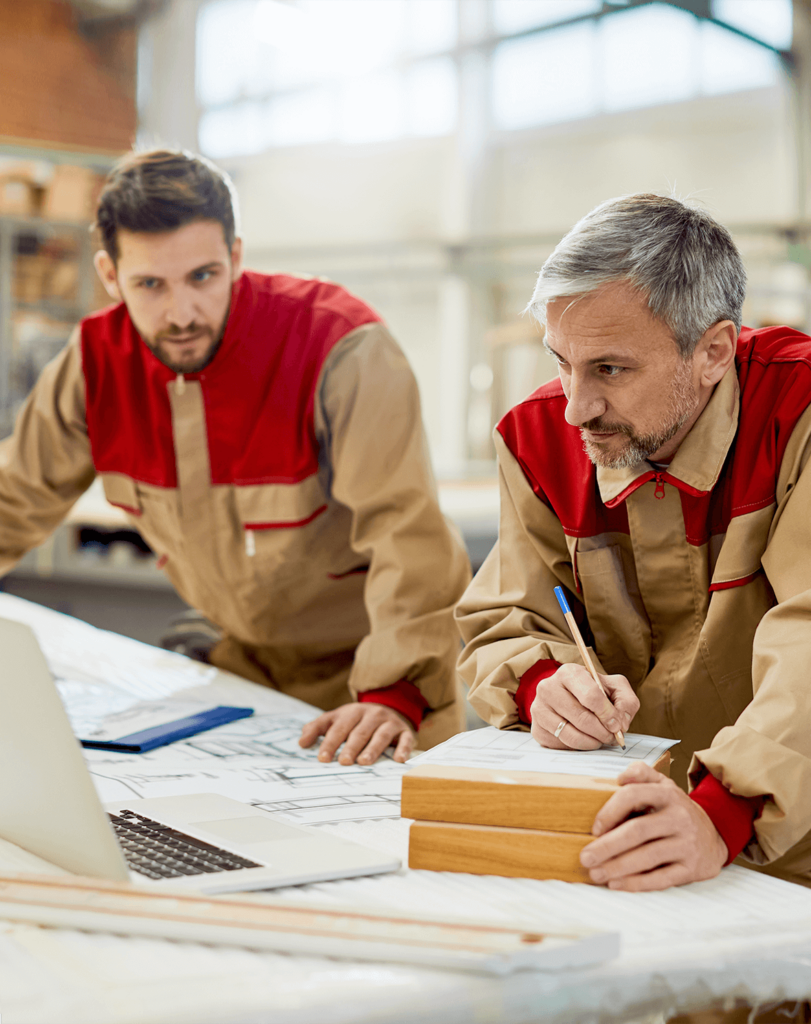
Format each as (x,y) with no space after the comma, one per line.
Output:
(168,253)
(613,320)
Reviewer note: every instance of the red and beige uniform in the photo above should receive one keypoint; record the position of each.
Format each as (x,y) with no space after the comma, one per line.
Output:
(693,581)
(286,489)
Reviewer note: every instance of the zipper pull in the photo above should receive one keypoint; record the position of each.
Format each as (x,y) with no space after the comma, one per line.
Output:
(250,543)
(180,384)
(660,487)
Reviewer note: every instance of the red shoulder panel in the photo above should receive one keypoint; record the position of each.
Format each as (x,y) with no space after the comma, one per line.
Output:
(774,371)
(258,391)
(551,454)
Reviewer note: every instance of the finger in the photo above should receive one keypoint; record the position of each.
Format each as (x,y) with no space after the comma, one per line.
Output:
(384,736)
(342,725)
(631,798)
(638,771)
(589,695)
(622,696)
(405,746)
(661,878)
(357,739)
(628,836)
(648,857)
(569,738)
(312,730)
(568,705)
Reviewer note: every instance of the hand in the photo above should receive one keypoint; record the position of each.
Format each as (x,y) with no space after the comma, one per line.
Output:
(364,729)
(572,696)
(672,843)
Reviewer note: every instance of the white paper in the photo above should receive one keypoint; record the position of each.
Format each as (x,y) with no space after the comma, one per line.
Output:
(493,748)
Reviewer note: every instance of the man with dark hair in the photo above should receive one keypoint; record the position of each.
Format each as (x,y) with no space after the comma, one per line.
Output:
(263,432)
(663,481)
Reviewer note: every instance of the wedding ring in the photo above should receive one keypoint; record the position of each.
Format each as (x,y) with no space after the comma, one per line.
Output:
(560,728)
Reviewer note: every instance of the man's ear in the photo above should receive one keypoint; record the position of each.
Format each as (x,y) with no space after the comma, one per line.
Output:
(236,258)
(105,268)
(717,346)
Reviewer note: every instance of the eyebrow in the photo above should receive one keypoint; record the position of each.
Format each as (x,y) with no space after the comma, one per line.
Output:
(213,265)
(610,358)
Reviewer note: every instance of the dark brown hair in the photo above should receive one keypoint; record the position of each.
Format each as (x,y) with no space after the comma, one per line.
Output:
(163,189)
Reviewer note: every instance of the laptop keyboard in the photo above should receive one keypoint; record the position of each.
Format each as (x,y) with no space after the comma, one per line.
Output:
(158,851)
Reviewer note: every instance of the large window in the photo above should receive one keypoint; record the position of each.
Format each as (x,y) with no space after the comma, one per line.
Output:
(290,72)
(639,57)
(273,73)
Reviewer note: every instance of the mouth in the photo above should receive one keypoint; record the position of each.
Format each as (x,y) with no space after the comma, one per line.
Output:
(596,437)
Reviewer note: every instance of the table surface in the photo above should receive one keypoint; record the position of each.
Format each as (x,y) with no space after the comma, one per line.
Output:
(741,935)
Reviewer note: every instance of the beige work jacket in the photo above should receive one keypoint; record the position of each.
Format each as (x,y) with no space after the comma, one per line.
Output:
(353,587)
(713,633)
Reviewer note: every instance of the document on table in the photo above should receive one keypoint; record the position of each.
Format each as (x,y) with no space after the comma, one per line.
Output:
(494,748)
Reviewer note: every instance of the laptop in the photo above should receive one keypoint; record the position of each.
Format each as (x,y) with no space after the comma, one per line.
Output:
(200,842)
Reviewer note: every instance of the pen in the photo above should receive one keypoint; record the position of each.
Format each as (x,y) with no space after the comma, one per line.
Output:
(584,653)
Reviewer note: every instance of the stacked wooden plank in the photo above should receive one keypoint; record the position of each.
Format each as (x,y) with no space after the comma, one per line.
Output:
(501,822)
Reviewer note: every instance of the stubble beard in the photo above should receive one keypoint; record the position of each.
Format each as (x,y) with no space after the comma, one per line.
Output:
(160,345)
(638,447)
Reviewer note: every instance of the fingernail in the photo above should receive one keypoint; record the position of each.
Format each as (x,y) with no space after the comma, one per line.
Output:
(586,859)
(343,759)
(364,759)
(596,829)
(324,756)
(612,724)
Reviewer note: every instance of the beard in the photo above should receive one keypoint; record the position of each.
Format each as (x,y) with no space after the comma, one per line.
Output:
(163,345)
(638,447)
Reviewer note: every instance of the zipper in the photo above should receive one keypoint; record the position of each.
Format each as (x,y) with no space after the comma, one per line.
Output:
(180,384)
(660,486)
(250,543)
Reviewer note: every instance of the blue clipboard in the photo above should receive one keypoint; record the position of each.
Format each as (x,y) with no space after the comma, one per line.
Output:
(170,732)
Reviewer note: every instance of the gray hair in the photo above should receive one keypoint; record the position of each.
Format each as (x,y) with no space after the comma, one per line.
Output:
(682,259)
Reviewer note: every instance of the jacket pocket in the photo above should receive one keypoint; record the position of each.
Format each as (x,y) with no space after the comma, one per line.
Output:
(620,630)
(278,520)
(122,492)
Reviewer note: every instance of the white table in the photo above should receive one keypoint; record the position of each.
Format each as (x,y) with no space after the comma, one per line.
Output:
(741,935)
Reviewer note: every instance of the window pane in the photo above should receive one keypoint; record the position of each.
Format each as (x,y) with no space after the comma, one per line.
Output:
(221,50)
(372,108)
(432,25)
(729,63)
(545,78)
(639,71)
(302,117)
(769,20)
(517,15)
(234,131)
(431,97)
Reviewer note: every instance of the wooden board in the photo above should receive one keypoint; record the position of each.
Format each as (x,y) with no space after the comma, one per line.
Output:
(512,799)
(490,850)
(89,904)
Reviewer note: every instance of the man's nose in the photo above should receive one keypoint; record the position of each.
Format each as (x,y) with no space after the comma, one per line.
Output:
(584,401)
(180,310)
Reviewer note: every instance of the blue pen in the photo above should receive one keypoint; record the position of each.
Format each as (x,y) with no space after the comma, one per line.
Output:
(584,651)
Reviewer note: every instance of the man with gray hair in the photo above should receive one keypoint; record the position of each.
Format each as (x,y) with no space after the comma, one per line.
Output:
(663,481)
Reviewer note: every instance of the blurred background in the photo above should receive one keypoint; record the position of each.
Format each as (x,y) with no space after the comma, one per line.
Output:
(427,154)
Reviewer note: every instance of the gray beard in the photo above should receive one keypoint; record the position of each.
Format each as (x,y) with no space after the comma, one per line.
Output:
(639,447)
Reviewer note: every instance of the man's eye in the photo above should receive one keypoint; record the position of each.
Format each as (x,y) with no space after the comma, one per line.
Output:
(611,371)
(201,275)
(150,282)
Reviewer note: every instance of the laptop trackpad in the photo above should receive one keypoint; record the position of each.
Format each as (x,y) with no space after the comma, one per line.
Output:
(248,830)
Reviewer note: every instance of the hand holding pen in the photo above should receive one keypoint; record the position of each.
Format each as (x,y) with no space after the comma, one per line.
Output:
(576,708)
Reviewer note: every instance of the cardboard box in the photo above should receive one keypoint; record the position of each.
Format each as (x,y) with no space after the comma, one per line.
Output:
(71,194)
(19,196)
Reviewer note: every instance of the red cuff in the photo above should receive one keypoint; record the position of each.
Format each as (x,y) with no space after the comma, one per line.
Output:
(733,816)
(402,696)
(528,684)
